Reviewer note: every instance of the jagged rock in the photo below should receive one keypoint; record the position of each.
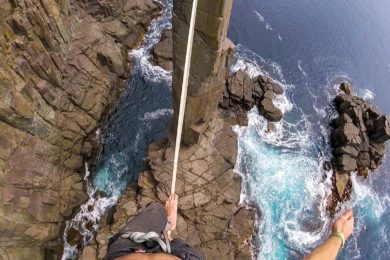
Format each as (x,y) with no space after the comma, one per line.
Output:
(240,88)
(346,163)
(381,133)
(241,93)
(373,112)
(163,51)
(269,111)
(363,160)
(348,150)
(345,134)
(346,87)
(240,230)
(62,65)
(343,181)
(377,151)
(278,90)
(358,138)
(208,189)
(257,91)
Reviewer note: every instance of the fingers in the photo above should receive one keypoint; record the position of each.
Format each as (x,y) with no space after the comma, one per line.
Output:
(173,198)
(348,214)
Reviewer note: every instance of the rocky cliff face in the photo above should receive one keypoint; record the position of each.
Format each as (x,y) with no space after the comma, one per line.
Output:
(209,64)
(62,63)
(210,216)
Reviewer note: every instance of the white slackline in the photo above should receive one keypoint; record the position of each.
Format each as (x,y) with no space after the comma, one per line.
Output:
(183,98)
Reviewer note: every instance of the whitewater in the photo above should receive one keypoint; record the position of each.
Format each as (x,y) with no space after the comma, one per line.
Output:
(284,176)
(128,132)
(282,171)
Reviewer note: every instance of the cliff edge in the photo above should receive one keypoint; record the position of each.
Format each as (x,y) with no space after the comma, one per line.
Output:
(210,215)
(62,63)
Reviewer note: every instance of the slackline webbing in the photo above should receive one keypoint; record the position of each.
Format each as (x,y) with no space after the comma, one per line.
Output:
(183,98)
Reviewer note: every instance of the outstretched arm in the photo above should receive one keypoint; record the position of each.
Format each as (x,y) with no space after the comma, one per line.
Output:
(330,248)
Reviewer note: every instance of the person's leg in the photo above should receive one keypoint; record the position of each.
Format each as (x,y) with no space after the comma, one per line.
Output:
(152,218)
(171,209)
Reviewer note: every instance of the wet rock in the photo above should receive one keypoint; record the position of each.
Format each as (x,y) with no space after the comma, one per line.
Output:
(269,111)
(242,93)
(278,90)
(343,184)
(327,166)
(346,163)
(381,132)
(346,87)
(358,139)
(363,160)
(74,237)
(163,51)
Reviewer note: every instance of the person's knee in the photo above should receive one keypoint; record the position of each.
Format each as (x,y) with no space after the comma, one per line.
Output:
(156,207)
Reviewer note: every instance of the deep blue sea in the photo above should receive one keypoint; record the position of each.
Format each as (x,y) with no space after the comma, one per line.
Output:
(309,46)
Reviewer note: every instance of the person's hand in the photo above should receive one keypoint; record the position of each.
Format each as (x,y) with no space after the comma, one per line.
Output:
(344,224)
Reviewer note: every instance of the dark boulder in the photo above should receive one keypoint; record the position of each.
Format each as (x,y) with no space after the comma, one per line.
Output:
(257,91)
(377,150)
(346,164)
(242,93)
(163,52)
(381,132)
(358,139)
(278,90)
(348,150)
(373,112)
(269,111)
(364,160)
(346,134)
(346,87)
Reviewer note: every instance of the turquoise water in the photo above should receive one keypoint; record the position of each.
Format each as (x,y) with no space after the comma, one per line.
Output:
(284,176)
(142,116)
(310,46)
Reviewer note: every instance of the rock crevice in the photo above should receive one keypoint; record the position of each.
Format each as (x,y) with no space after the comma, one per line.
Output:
(62,63)
(359,136)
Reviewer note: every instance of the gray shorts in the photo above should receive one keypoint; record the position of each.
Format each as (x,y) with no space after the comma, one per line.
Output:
(152,218)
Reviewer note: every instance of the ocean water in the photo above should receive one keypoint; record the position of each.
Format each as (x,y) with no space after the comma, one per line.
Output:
(309,47)
(142,115)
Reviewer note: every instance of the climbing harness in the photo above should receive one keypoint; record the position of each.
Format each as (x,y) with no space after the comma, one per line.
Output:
(183,98)
(141,237)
